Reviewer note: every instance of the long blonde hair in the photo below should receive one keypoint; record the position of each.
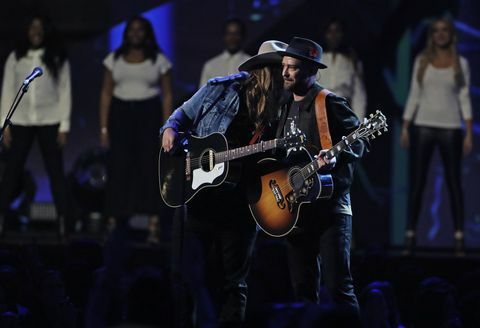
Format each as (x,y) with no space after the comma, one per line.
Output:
(262,93)
(429,53)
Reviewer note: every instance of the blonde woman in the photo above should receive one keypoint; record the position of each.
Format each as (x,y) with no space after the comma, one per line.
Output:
(438,106)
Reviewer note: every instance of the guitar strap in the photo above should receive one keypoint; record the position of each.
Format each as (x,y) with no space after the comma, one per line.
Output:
(322,120)
(257,135)
(321,117)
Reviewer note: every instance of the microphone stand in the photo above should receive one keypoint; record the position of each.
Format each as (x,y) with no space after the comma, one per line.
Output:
(16,101)
(18,97)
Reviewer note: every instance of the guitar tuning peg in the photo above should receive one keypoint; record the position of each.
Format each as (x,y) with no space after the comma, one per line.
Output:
(372,136)
(385,130)
(379,133)
(371,115)
(377,111)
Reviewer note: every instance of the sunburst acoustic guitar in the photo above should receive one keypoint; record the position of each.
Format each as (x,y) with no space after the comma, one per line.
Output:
(277,196)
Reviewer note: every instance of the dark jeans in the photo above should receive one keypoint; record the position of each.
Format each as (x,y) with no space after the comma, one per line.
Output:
(230,247)
(52,154)
(449,142)
(322,244)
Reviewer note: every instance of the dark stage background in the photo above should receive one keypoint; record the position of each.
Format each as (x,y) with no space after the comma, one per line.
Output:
(386,34)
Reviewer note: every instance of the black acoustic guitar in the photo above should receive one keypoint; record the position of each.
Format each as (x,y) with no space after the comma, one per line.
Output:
(203,162)
(276,196)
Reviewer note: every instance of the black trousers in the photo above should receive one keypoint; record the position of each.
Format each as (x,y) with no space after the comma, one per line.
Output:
(52,154)
(449,142)
(321,248)
(133,158)
(215,262)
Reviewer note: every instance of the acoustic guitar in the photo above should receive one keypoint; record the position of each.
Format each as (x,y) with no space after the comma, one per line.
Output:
(202,162)
(276,196)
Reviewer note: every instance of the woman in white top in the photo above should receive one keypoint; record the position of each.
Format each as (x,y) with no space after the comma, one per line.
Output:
(344,75)
(43,114)
(438,101)
(136,97)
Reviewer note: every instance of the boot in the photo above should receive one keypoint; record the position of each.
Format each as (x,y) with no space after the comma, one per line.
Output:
(410,242)
(459,243)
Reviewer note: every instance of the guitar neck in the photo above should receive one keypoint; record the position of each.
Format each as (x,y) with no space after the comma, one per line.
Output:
(231,154)
(308,170)
(344,143)
(367,129)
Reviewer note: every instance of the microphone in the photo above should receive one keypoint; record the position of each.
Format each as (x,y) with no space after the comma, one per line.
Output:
(234,77)
(37,71)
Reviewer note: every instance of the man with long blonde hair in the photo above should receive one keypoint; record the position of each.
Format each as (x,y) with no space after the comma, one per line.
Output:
(238,107)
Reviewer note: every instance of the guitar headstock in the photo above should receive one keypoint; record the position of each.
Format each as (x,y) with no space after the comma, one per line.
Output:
(373,126)
(293,139)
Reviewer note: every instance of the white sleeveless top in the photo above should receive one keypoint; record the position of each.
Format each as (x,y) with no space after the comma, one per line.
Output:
(438,102)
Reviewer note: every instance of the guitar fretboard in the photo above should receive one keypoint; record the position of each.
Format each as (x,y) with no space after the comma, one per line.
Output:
(367,129)
(228,155)
(344,143)
(314,166)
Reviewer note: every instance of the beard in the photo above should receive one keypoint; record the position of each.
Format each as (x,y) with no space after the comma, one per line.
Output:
(288,85)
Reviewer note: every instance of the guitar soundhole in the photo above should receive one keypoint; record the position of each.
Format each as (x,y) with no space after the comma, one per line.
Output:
(207,160)
(296,179)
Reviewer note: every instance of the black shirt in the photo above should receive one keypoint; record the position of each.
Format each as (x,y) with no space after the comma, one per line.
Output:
(292,121)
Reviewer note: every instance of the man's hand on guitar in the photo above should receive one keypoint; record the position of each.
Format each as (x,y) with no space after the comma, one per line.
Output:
(168,139)
(323,161)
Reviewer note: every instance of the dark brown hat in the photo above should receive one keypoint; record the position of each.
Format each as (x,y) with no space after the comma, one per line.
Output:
(305,49)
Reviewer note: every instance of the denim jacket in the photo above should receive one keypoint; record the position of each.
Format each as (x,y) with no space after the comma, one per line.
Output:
(211,109)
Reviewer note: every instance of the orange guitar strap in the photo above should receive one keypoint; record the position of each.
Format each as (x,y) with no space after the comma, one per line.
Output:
(322,121)
(257,135)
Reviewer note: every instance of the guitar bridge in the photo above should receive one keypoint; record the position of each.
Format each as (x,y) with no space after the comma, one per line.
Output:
(277,193)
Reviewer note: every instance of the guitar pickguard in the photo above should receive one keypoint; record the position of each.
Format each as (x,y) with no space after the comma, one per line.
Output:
(201,177)
(304,190)
(300,188)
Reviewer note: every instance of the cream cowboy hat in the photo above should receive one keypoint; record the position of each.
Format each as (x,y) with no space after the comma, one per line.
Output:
(267,54)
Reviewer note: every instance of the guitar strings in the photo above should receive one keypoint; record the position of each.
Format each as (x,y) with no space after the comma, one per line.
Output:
(301,171)
(197,161)
(265,145)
